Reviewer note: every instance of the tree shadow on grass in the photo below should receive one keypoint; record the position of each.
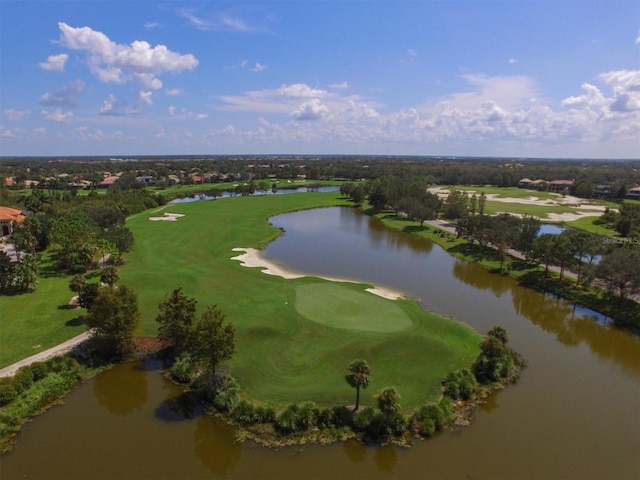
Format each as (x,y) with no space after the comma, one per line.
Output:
(414,228)
(75,322)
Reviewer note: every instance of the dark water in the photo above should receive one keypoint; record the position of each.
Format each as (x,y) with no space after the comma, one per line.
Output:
(573,414)
(280,191)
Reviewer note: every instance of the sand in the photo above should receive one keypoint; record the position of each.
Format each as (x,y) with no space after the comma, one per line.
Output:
(252,258)
(167,217)
(582,209)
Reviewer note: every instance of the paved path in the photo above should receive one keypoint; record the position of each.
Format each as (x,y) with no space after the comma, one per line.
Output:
(51,352)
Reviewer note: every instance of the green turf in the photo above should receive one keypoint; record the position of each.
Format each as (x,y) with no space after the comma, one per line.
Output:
(338,307)
(283,356)
(33,322)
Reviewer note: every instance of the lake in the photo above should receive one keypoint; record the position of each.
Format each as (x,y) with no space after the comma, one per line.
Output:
(573,413)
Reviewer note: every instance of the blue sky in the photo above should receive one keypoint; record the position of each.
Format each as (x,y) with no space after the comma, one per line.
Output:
(520,78)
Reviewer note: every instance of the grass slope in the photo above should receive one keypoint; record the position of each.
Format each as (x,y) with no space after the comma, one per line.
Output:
(283,356)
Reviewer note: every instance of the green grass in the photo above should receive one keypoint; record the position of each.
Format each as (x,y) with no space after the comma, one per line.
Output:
(335,306)
(587,225)
(283,355)
(506,192)
(33,322)
(541,211)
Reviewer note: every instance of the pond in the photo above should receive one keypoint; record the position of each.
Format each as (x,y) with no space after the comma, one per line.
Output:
(573,414)
(279,191)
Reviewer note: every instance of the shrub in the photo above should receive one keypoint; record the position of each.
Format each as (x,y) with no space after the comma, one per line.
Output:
(225,401)
(396,424)
(23,379)
(431,418)
(371,421)
(265,414)
(306,415)
(341,416)
(460,385)
(245,413)
(7,394)
(183,369)
(427,427)
(287,421)
(40,370)
(324,418)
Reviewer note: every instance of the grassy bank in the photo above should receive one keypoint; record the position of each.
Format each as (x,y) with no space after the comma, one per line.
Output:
(286,353)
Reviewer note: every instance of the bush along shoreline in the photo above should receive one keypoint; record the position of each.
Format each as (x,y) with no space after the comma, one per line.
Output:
(306,423)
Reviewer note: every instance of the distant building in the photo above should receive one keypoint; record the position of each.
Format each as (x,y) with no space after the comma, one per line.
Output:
(146,179)
(107,182)
(7,218)
(634,193)
(559,185)
(537,184)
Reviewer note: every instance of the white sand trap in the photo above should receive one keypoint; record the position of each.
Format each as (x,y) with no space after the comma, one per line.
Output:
(167,217)
(252,258)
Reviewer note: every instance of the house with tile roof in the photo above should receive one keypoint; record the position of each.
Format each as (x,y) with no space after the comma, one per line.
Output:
(8,217)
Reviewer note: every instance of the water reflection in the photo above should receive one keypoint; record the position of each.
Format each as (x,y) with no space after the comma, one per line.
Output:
(215,446)
(355,451)
(572,326)
(386,458)
(122,393)
(470,274)
(182,407)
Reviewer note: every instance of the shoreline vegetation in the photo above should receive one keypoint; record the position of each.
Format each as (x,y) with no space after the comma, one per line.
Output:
(624,314)
(265,436)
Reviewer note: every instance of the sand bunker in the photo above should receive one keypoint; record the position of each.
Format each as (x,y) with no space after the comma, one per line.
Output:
(582,209)
(167,217)
(252,258)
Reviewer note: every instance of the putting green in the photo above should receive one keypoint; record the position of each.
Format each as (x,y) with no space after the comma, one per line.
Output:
(340,306)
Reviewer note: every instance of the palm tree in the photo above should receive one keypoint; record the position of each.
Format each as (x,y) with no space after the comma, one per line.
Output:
(358,376)
(389,401)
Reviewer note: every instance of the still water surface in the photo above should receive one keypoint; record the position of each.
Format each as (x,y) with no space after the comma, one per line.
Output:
(573,414)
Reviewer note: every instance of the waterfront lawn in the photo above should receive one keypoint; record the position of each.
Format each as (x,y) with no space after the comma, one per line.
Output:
(283,356)
(33,322)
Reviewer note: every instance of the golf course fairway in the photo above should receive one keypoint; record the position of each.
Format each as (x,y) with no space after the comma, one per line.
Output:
(295,337)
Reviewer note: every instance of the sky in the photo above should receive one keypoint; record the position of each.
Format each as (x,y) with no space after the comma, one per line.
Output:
(504,78)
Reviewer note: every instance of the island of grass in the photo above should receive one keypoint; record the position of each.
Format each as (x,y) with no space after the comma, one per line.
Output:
(295,336)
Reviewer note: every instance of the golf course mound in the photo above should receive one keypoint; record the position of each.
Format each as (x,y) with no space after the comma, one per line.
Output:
(335,306)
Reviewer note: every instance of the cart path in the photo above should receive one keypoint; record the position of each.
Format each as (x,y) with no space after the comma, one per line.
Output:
(45,354)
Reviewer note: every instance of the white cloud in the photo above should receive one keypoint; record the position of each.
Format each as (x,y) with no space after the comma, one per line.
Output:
(340,86)
(118,63)
(512,61)
(55,63)
(15,115)
(57,115)
(499,115)
(146,97)
(221,22)
(185,114)
(300,90)
(638,39)
(311,110)
(151,25)
(67,96)
(111,106)
(259,67)
(173,92)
